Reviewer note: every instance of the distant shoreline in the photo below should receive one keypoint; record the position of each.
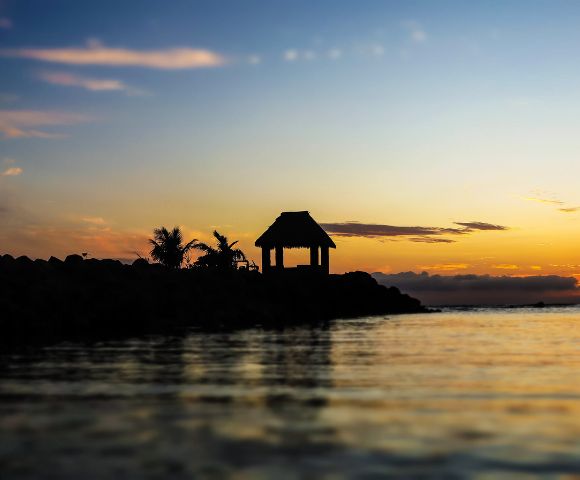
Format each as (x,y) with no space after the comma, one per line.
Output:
(505,307)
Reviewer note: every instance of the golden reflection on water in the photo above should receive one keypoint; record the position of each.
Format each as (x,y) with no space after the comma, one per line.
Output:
(458,394)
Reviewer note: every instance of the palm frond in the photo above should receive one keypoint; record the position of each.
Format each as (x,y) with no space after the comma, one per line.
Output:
(168,248)
(222,257)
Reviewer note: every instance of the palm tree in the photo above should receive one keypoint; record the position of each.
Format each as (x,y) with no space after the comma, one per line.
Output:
(168,248)
(222,257)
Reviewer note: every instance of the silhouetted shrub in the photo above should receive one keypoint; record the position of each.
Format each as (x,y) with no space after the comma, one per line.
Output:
(221,257)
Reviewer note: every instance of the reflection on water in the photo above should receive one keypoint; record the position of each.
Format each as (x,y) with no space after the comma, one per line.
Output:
(451,395)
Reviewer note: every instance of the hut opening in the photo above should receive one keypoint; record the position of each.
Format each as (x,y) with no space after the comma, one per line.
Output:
(295,230)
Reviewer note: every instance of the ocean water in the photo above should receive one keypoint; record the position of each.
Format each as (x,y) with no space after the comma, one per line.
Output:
(487,393)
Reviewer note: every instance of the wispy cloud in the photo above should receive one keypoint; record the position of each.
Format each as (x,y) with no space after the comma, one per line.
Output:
(549,201)
(96,53)
(413,233)
(430,240)
(334,53)
(309,55)
(445,266)
(94,220)
(11,172)
(416,32)
(569,209)
(377,50)
(291,55)
(356,229)
(100,242)
(92,84)
(23,123)
(5,23)
(481,226)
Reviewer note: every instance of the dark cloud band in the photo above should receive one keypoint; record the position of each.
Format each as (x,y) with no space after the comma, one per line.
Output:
(483,289)
(415,233)
(481,226)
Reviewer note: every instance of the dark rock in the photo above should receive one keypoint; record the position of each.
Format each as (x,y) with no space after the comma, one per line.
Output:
(55,261)
(73,259)
(6,261)
(59,299)
(140,263)
(110,263)
(23,260)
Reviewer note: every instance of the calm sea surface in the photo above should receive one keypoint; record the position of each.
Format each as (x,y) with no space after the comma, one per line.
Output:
(485,394)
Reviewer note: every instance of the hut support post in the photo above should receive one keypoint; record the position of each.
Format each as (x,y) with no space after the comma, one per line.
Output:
(266,260)
(314,256)
(279,257)
(325,262)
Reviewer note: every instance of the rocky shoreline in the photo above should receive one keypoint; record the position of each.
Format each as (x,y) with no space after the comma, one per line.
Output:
(58,299)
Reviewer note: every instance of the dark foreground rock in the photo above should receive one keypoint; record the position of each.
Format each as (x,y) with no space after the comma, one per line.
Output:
(61,299)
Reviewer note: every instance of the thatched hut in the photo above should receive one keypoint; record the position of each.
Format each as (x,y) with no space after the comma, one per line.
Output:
(295,230)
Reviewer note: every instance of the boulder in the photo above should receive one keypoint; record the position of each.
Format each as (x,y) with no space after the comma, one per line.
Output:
(73,260)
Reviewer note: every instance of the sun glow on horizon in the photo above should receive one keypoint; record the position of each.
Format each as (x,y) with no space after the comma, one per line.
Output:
(411,136)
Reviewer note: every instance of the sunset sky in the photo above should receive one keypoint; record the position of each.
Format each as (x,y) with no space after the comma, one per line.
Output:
(425,136)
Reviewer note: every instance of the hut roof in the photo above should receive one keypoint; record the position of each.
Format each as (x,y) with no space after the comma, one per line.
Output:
(295,230)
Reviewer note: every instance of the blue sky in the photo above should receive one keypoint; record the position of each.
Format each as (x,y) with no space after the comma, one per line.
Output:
(405,113)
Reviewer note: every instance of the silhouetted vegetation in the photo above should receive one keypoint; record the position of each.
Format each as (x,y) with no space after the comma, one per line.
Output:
(76,297)
(222,257)
(168,247)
